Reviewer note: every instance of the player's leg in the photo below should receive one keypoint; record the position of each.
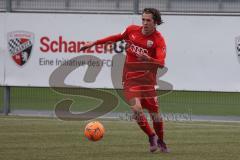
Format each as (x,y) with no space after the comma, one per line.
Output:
(131,95)
(151,104)
(140,118)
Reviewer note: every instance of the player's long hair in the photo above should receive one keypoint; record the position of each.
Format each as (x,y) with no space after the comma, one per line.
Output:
(156,15)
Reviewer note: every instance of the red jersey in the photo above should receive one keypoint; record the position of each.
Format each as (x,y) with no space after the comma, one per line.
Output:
(135,70)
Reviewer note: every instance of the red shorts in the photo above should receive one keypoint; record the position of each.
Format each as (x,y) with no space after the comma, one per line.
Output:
(146,94)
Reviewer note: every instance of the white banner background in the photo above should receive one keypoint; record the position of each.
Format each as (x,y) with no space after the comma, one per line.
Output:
(201,52)
(200,49)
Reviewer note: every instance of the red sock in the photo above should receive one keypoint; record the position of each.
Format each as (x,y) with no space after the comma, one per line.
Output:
(143,124)
(158,126)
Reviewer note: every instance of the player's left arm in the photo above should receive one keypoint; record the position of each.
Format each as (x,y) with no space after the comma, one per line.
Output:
(159,59)
(160,56)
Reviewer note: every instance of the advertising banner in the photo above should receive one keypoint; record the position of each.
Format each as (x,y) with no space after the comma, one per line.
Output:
(37,47)
(202,51)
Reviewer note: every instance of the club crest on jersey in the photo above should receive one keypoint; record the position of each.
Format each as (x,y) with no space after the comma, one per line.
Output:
(149,43)
(237,45)
(20,44)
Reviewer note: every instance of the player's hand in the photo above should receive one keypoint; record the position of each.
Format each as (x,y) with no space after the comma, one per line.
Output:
(144,57)
(87,45)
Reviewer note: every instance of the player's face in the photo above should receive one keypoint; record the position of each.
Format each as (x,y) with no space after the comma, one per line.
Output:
(148,23)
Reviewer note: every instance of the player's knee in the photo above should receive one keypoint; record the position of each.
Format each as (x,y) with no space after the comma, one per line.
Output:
(156,117)
(136,108)
(137,111)
(136,105)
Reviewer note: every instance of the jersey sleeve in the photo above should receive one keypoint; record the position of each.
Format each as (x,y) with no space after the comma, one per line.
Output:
(161,52)
(113,38)
(110,39)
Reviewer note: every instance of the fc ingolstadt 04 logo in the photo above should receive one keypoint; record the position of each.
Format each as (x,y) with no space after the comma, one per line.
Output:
(237,43)
(237,47)
(20,44)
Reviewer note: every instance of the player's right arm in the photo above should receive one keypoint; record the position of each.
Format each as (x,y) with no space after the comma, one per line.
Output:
(110,39)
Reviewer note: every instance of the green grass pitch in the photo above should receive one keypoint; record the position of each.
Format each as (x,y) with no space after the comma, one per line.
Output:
(28,138)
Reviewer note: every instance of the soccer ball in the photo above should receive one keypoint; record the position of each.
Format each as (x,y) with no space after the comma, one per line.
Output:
(94,131)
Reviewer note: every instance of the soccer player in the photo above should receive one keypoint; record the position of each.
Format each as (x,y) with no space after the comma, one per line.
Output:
(145,53)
